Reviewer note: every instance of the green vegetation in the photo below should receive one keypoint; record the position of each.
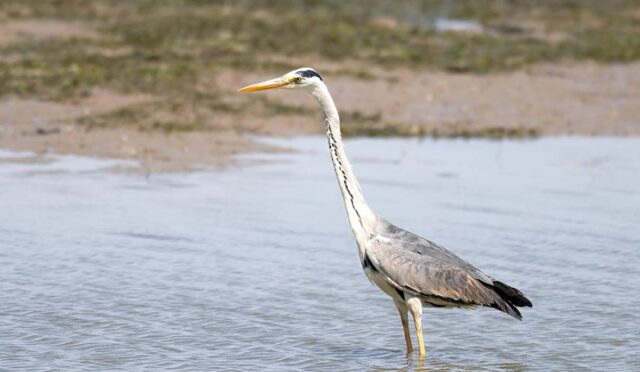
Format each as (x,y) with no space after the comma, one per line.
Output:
(125,116)
(369,129)
(166,47)
(143,119)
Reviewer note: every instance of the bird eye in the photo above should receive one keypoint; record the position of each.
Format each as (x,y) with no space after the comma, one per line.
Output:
(297,79)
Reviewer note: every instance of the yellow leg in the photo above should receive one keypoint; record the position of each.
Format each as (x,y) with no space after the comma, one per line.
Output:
(420,339)
(402,309)
(407,334)
(415,306)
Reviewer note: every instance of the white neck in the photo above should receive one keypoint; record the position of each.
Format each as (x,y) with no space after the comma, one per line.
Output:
(361,217)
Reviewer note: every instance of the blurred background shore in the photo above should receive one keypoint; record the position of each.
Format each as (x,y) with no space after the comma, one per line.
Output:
(156,81)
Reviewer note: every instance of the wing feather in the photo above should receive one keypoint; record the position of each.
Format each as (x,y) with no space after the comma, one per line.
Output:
(429,274)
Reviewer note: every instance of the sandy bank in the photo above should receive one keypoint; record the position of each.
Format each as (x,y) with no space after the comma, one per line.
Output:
(576,99)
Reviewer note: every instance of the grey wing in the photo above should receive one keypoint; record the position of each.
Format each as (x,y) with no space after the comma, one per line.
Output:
(439,276)
(415,243)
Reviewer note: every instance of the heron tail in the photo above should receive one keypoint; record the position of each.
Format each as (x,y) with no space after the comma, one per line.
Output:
(510,299)
(511,295)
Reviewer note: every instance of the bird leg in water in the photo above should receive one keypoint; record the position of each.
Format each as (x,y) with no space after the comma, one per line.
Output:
(415,306)
(402,309)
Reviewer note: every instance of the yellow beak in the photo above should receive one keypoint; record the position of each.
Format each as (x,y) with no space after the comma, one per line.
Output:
(269,84)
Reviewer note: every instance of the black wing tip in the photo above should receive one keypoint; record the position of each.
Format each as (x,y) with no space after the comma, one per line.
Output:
(510,299)
(511,295)
(515,313)
(507,308)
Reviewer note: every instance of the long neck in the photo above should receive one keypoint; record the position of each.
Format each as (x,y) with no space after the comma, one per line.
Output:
(361,217)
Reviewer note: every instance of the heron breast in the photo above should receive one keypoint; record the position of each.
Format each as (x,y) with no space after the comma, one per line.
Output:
(380,282)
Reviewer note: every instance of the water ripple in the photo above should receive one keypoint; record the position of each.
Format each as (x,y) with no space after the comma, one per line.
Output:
(255,268)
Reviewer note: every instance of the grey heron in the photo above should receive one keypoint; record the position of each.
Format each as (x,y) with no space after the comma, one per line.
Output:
(412,270)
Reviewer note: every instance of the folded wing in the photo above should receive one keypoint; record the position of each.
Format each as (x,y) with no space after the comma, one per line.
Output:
(439,276)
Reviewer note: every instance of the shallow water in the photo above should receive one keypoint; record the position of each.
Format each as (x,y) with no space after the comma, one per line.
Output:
(255,268)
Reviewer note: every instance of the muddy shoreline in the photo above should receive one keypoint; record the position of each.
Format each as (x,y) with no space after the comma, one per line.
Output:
(575,99)
(129,82)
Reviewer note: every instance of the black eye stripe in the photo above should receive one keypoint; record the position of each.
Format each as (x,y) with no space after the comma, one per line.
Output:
(309,73)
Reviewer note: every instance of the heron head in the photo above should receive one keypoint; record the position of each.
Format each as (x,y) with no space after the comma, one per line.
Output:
(304,77)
